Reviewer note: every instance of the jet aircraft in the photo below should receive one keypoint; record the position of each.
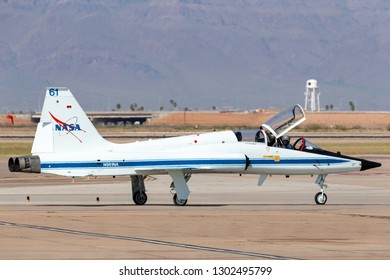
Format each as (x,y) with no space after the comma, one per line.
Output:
(67,143)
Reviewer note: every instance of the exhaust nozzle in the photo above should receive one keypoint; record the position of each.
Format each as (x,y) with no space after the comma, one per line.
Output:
(29,164)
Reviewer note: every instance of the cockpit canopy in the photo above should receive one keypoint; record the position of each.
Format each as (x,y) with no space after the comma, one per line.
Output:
(285,120)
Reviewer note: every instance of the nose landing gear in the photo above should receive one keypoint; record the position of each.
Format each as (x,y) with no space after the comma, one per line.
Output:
(321,198)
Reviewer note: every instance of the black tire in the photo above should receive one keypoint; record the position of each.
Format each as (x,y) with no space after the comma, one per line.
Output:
(140,198)
(321,198)
(179,202)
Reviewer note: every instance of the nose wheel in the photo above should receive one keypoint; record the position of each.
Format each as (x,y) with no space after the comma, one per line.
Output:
(320,198)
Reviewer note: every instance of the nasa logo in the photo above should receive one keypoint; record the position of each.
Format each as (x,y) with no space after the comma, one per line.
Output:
(67,127)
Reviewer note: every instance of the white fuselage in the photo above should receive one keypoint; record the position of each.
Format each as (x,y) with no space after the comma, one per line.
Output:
(217,152)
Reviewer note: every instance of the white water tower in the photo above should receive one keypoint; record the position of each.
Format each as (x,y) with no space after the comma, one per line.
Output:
(312,96)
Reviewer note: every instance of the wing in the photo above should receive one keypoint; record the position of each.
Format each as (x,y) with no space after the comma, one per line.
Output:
(190,163)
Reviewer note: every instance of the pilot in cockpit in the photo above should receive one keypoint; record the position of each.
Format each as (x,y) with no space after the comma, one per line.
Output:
(271,139)
(265,137)
(286,142)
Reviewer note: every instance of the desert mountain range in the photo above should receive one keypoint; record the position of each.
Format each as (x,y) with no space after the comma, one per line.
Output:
(241,54)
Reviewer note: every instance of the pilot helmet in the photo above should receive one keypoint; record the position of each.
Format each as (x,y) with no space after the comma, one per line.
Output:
(286,139)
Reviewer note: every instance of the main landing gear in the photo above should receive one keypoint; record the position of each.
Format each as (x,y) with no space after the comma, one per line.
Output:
(179,188)
(321,198)
(138,188)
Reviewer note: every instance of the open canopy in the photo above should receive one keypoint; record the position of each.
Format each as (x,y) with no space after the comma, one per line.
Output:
(285,120)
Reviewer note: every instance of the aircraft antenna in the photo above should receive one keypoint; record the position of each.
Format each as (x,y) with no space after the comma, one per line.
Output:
(312,96)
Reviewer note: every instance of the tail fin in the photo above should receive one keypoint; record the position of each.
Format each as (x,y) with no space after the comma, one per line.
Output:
(64,126)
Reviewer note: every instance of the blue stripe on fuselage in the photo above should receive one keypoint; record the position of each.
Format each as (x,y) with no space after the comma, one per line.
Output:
(189,163)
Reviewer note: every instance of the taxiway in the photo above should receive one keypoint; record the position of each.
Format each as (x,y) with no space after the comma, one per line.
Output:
(227,217)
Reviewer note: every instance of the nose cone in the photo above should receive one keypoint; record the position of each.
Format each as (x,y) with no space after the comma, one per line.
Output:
(367,164)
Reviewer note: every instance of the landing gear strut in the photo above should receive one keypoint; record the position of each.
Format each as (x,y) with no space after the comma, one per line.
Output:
(321,198)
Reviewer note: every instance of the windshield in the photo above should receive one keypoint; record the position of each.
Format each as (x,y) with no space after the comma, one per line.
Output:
(285,120)
(303,144)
